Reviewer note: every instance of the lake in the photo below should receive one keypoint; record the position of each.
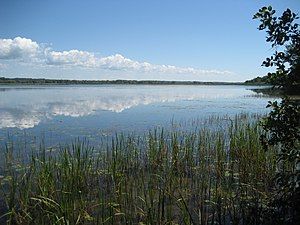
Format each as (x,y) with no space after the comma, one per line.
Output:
(59,114)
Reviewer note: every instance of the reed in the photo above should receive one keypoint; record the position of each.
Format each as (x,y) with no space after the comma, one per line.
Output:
(203,176)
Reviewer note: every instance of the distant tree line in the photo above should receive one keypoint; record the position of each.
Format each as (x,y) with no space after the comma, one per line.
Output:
(43,81)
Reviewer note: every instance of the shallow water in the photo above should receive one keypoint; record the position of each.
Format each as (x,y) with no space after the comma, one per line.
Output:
(60,114)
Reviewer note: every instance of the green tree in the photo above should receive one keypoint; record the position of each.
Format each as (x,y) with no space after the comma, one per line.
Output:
(284,35)
(282,125)
(282,128)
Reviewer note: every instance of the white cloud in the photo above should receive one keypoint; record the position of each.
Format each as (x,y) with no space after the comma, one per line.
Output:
(23,48)
(72,57)
(18,48)
(119,62)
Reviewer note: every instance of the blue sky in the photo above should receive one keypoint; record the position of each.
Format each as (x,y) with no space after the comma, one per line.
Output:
(209,40)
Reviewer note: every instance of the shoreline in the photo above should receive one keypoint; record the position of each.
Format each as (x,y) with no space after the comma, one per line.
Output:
(43,81)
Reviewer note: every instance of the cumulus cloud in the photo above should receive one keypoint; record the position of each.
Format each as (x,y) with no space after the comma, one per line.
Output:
(72,57)
(119,62)
(23,48)
(18,48)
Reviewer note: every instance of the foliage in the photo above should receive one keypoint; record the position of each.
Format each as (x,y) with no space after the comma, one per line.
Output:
(283,129)
(258,80)
(282,126)
(284,35)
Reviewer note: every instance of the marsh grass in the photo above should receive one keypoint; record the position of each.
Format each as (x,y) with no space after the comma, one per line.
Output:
(201,176)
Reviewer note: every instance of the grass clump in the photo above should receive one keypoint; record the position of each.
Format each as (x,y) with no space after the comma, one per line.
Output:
(194,177)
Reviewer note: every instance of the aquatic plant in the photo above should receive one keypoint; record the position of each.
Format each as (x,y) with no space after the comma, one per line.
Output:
(202,176)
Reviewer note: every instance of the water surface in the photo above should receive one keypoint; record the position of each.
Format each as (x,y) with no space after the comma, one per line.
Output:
(63,113)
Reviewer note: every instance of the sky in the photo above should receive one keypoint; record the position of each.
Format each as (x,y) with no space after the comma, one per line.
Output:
(212,40)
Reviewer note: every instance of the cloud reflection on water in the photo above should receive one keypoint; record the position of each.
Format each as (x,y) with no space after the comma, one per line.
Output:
(26,107)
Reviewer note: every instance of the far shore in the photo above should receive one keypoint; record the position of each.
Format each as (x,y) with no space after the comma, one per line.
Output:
(43,81)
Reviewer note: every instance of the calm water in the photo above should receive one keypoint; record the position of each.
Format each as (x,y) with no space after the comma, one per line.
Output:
(62,113)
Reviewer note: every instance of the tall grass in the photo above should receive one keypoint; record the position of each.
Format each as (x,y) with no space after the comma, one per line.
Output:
(202,176)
